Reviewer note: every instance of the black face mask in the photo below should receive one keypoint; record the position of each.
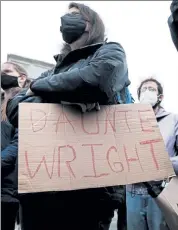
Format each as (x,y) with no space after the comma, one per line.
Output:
(72,27)
(8,81)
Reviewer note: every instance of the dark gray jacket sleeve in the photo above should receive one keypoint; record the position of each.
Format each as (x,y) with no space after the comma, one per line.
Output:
(173,23)
(9,154)
(13,106)
(46,73)
(107,70)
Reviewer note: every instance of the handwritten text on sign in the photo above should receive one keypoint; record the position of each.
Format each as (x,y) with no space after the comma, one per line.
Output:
(62,149)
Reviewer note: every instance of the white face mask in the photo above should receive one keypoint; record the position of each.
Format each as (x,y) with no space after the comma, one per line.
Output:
(149,97)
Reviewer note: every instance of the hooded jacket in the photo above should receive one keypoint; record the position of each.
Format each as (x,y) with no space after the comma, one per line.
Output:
(168,124)
(96,73)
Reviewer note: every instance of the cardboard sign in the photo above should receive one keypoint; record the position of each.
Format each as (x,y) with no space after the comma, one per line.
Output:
(168,203)
(62,149)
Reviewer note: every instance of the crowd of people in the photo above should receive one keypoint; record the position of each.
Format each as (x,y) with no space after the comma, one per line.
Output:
(90,71)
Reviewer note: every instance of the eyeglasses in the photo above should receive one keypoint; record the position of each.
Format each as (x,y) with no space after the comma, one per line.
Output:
(149,89)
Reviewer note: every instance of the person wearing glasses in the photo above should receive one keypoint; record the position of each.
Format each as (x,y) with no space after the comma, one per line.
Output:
(142,211)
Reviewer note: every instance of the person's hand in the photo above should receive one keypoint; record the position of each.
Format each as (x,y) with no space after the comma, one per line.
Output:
(92,106)
(84,107)
(29,92)
(88,107)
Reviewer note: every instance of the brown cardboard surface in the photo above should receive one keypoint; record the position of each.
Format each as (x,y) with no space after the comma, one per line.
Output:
(62,149)
(168,203)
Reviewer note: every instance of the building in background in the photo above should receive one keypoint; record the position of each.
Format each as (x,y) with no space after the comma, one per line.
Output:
(32,66)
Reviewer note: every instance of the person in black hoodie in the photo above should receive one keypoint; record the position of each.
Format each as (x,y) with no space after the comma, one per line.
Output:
(88,71)
(12,76)
(173,22)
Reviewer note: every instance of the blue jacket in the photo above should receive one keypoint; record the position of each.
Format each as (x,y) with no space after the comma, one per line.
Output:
(8,163)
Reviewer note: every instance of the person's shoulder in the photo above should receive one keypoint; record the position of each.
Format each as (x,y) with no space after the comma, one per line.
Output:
(114,44)
(175,120)
(174,117)
(114,47)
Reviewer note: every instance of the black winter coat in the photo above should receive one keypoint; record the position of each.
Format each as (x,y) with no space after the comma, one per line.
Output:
(173,23)
(95,73)
(9,150)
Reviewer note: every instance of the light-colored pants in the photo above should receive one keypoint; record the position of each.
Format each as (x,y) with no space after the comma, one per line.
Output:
(143,213)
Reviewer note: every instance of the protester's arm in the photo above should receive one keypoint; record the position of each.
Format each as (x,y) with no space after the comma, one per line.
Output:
(173,23)
(107,71)
(9,154)
(175,159)
(43,75)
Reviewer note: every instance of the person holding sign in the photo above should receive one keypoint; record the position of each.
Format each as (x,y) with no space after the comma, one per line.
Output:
(91,72)
(142,210)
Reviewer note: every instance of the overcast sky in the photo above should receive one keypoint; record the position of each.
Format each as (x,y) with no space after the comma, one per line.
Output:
(32,29)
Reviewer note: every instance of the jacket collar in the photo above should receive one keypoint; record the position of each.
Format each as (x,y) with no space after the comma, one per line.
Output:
(79,53)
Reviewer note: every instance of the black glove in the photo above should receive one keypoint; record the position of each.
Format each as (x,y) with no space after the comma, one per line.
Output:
(153,189)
